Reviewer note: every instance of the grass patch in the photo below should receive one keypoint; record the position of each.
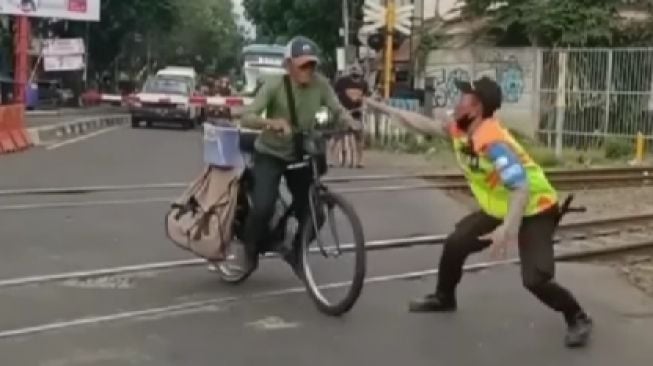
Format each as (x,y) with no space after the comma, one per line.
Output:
(618,148)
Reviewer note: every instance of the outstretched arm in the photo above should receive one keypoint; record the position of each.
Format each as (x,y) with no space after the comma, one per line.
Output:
(412,120)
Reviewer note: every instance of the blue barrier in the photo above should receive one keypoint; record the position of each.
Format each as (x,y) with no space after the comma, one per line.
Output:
(405,104)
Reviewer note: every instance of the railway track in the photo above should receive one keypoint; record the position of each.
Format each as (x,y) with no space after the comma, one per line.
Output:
(579,240)
(575,240)
(568,179)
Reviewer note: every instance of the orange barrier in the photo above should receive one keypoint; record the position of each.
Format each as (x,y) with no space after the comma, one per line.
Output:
(13,135)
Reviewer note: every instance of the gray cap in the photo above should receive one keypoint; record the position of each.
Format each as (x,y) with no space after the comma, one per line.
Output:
(302,50)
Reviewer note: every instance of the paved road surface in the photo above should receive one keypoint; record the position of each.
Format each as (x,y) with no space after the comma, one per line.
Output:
(185,316)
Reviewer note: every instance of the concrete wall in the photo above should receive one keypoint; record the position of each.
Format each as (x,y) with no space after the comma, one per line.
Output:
(514,69)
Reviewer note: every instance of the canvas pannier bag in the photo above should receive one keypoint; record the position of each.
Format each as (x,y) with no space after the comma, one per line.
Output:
(201,220)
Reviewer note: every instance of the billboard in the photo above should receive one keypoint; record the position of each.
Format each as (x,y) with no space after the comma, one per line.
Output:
(63,54)
(64,63)
(63,47)
(88,10)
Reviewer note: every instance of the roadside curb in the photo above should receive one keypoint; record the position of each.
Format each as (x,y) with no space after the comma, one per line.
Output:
(44,135)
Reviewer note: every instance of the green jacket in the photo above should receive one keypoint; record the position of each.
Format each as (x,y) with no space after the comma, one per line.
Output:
(271,99)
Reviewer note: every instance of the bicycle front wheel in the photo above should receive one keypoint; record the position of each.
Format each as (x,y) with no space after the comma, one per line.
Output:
(332,258)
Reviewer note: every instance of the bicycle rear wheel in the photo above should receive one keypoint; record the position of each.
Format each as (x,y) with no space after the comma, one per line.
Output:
(336,295)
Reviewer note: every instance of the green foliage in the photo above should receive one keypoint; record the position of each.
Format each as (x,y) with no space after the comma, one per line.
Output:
(206,36)
(199,33)
(319,20)
(553,23)
(120,21)
(618,148)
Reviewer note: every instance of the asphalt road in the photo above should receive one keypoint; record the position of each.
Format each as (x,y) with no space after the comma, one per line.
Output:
(185,316)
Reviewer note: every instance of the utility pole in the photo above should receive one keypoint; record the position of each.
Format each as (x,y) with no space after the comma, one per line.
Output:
(390,17)
(21,68)
(345,23)
(86,55)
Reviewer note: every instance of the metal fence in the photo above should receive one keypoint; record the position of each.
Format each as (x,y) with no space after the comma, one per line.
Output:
(589,95)
(572,98)
(384,132)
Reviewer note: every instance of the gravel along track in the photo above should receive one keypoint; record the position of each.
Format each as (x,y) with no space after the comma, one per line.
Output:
(625,244)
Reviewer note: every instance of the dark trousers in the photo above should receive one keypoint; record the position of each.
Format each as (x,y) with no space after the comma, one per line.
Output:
(535,253)
(267,172)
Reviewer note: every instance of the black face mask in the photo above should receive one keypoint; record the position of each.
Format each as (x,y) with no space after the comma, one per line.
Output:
(464,122)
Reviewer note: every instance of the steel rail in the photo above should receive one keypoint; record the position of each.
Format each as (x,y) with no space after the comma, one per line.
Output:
(575,175)
(375,245)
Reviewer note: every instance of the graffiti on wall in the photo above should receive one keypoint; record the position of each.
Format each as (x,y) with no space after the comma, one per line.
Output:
(443,82)
(510,76)
(505,69)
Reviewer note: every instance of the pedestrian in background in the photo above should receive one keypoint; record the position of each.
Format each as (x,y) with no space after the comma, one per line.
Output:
(351,89)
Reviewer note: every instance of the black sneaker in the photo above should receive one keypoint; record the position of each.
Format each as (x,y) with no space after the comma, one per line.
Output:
(579,330)
(433,303)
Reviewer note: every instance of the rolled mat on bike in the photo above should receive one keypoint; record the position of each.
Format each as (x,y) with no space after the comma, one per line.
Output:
(201,220)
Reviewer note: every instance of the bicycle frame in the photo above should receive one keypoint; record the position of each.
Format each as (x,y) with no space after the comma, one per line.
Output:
(316,191)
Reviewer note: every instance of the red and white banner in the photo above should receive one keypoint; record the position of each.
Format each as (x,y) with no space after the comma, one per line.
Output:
(88,10)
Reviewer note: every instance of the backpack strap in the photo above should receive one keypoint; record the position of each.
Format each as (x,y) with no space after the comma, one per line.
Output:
(291,100)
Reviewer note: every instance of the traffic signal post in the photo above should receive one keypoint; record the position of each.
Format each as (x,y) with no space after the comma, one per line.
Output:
(389,28)
(389,18)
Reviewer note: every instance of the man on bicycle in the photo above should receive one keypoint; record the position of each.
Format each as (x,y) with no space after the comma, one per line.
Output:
(351,90)
(518,205)
(275,149)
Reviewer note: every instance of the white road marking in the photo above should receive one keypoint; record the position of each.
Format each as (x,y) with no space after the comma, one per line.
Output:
(272,323)
(170,199)
(207,304)
(82,138)
(91,189)
(32,280)
(39,206)
(148,268)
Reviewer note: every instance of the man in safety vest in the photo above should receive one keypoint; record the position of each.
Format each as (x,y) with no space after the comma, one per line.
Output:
(518,205)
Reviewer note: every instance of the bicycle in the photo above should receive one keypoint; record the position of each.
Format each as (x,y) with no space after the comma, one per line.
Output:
(288,238)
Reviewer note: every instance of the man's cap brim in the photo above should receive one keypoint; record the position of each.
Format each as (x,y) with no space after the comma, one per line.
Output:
(305,59)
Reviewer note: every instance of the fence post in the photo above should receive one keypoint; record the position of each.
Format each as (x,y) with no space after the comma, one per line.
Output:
(536,93)
(608,87)
(561,101)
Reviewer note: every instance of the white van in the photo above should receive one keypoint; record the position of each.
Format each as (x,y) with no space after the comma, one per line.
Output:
(188,75)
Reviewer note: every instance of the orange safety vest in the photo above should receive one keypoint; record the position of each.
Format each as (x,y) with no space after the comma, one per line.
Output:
(483,177)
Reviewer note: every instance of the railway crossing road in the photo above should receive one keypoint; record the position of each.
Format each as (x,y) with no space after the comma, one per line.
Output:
(185,316)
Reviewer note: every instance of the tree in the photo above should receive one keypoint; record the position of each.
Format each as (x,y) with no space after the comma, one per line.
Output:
(552,23)
(319,20)
(138,35)
(121,22)
(206,36)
